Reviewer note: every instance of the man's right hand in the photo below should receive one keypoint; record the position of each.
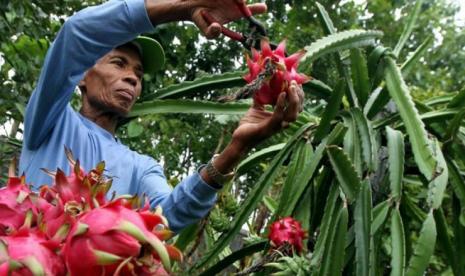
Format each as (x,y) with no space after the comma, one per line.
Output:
(223,11)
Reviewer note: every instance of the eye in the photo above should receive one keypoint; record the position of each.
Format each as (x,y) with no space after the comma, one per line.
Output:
(118,62)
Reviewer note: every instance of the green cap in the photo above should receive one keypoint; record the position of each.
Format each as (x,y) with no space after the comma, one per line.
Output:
(153,56)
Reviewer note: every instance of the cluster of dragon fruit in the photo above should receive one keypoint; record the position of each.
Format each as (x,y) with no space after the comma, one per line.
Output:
(71,228)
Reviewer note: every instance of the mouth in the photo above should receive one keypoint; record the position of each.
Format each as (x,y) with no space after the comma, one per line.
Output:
(126,94)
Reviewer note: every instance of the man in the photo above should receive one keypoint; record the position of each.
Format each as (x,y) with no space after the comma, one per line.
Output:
(94,51)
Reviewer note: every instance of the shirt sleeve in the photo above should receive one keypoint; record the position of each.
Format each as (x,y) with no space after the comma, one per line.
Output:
(186,204)
(84,38)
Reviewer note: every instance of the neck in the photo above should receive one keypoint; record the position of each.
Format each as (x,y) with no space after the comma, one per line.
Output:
(105,120)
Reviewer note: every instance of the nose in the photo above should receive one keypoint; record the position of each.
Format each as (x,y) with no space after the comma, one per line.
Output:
(131,78)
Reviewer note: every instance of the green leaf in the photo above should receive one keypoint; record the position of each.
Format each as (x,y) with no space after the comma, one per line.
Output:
(331,110)
(270,203)
(413,58)
(186,236)
(362,227)
(300,160)
(376,102)
(415,128)
(252,199)
(317,88)
(454,126)
(367,139)
(352,143)
(424,248)
(445,243)
(380,97)
(375,65)
(308,165)
(342,66)
(340,41)
(436,116)
(187,106)
(258,156)
(398,244)
(456,180)
(202,84)
(409,27)
(325,20)
(334,256)
(235,256)
(396,155)
(437,187)
(441,100)
(346,175)
(328,220)
(379,214)
(302,211)
(458,101)
(135,129)
(459,235)
(21,108)
(360,75)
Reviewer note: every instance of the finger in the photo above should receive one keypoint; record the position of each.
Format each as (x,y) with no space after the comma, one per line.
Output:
(258,105)
(293,106)
(206,23)
(258,8)
(213,31)
(278,114)
(301,95)
(280,105)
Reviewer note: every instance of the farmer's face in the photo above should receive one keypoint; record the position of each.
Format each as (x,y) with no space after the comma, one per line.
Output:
(114,83)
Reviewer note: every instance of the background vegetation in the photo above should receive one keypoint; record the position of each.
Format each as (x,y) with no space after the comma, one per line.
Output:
(183,141)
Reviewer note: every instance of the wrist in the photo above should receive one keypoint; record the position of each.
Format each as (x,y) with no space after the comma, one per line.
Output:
(238,148)
(164,11)
(225,162)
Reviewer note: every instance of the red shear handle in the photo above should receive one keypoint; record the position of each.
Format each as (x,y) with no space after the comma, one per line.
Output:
(227,32)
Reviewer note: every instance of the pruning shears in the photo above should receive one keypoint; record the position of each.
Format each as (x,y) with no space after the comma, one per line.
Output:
(250,39)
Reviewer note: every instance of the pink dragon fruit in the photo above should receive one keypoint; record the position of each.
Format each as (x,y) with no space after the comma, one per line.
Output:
(115,239)
(17,205)
(71,228)
(285,71)
(89,189)
(71,195)
(27,252)
(287,230)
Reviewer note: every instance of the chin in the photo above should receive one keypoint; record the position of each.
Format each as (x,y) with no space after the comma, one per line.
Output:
(123,109)
(123,113)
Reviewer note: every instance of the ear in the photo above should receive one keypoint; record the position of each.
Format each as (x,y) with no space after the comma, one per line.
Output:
(82,85)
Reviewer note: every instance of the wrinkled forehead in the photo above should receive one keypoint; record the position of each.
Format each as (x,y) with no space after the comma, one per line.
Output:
(130,50)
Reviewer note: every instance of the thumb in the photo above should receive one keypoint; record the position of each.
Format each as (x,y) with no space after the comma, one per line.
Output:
(207,24)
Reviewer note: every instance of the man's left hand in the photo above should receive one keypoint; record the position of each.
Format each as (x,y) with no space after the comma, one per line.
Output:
(259,124)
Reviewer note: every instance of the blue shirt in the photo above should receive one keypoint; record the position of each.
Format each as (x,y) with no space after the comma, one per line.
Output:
(51,124)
